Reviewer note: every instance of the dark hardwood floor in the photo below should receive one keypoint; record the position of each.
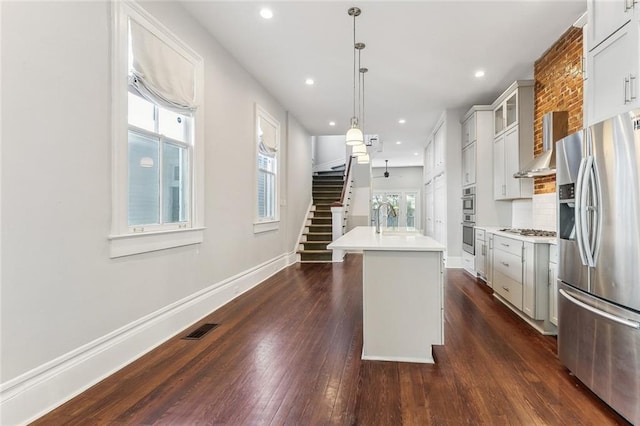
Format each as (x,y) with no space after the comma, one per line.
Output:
(288,352)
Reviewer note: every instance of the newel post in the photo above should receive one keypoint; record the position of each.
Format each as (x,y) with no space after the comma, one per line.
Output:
(337,219)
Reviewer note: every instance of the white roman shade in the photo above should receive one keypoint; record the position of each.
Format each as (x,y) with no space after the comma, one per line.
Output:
(267,133)
(159,72)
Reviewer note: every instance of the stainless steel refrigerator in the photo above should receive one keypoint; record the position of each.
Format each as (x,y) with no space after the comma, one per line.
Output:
(598,189)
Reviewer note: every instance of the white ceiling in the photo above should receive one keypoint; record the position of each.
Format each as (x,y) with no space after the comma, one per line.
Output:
(421,55)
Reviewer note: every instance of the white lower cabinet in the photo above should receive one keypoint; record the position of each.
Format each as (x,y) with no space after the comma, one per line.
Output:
(521,276)
(507,270)
(553,284)
(481,254)
(468,263)
(489,259)
(535,297)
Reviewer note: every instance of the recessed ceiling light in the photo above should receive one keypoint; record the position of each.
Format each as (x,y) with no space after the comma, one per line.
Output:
(309,82)
(415,153)
(479,73)
(266,13)
(332,123)
(402,121)
(399,143)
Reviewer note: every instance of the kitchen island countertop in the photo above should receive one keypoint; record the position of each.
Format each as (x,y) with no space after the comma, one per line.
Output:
(389,239)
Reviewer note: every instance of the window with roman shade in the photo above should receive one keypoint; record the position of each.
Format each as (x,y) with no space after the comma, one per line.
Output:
(158,136)
(267,184)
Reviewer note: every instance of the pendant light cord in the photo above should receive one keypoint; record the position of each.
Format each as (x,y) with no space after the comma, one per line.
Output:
(354,64)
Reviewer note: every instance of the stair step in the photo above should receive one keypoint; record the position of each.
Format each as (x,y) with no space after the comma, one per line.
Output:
(322,213)
(323,207)
(315,255)
(319,228)
(321,220)
(318,236)
(327,184)
(315,245)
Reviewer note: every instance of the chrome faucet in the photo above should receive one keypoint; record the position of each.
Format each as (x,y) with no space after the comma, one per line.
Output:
(377,214)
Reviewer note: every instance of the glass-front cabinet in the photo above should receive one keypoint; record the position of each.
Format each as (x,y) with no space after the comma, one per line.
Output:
(505,114)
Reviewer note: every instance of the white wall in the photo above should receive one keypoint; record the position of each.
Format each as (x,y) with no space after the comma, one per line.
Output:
(60,289)
(400,178)
(330,149)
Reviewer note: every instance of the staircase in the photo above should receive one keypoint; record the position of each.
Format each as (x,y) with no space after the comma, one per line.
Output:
(327,189)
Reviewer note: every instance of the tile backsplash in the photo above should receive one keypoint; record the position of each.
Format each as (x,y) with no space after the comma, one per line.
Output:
(544,211)
(521,214)
(537,213)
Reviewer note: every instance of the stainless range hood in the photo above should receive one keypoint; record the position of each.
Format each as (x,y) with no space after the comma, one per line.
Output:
(554,128)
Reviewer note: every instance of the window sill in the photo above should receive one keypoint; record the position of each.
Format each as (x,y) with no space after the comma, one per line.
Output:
(129,244)
(260,227)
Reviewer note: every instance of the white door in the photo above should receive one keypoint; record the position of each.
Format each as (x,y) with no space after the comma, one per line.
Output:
(404,203)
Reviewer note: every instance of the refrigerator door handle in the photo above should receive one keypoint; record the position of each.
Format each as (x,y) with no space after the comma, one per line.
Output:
(578,211)
(585,234)
(597,212)
(607,315)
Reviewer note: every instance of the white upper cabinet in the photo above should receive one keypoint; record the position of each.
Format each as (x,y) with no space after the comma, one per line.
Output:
(428,160)
(469,131)
(439,141)
(612,86)
(606,17)
(613,58)
(469,165)
(505,114)
(513,140)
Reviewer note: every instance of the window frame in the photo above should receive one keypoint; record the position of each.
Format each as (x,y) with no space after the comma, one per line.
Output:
(128,240)
(270,223)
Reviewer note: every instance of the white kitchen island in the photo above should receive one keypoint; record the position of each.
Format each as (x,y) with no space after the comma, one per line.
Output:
(402,293)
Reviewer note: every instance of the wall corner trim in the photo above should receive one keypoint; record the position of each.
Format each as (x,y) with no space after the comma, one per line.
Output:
(40,390)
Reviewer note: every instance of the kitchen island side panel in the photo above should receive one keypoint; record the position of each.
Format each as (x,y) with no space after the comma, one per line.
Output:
(402,295)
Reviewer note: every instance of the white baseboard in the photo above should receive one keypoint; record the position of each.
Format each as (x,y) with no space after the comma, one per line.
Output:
(36,392)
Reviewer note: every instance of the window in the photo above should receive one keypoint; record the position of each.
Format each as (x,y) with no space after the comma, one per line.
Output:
(158,163)
(267,183)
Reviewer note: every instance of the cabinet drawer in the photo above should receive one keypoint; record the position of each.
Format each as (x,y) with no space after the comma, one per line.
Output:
(509,289)
(480,234)
(508,244)
(508,264)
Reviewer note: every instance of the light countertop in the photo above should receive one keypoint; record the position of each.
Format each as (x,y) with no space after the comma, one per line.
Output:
(530,239)
(389,239)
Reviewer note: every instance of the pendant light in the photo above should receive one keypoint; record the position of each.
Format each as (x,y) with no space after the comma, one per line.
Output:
(354,135)
(359,150)
(363,159)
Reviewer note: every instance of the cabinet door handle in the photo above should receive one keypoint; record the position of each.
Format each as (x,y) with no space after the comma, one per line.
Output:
(505,245)
(505,289)
(627,91)
(632,91)
(505,264)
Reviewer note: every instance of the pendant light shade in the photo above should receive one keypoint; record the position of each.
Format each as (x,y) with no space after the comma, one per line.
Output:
(363,159)
(359,150)
(354,134)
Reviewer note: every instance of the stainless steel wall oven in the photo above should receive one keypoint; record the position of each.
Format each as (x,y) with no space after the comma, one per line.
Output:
(469,201)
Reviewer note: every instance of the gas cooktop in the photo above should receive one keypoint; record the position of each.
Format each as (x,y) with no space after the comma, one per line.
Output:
(530,232)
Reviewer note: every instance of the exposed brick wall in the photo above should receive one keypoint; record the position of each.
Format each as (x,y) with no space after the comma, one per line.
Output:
(558,87)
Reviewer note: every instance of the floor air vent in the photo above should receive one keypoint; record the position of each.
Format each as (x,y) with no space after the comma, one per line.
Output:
(199,332)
